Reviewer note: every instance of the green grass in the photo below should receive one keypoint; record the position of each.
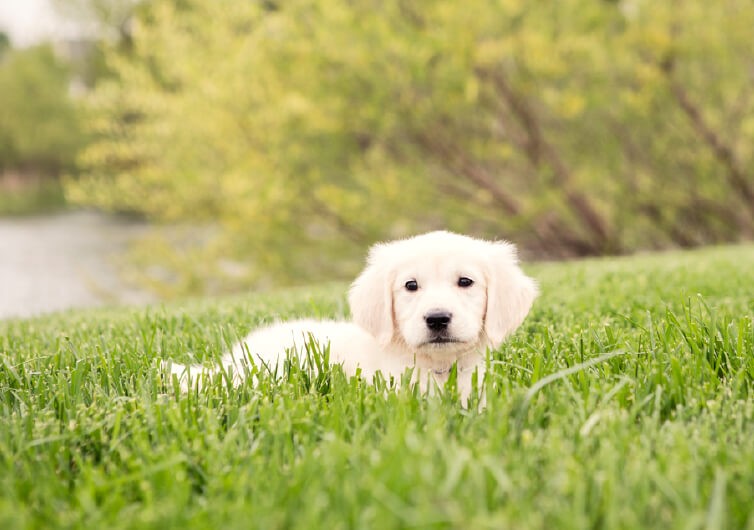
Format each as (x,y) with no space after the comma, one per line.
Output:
(625,401)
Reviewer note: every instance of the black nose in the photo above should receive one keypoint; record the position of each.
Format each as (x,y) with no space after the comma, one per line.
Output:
(437,320)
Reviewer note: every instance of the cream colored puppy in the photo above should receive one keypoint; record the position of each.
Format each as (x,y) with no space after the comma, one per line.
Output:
(425,302)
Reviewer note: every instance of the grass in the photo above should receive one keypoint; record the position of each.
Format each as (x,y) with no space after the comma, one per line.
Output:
(625,401)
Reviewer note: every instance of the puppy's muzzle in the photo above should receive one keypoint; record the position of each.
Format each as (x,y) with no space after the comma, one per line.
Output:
(438,320)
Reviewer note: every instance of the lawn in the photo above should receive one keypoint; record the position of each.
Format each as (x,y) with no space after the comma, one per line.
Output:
(626,400)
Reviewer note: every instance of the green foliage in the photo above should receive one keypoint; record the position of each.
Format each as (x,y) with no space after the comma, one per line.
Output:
(4,43)
(625,401)
(308,128)
(36,196)
(40,128)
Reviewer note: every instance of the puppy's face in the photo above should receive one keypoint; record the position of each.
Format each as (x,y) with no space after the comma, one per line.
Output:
(441,294)
(439,304)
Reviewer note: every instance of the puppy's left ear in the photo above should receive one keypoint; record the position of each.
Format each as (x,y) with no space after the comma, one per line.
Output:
(510,293)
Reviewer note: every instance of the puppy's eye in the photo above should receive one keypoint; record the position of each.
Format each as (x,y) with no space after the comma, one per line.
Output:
(465,282)
(411,285)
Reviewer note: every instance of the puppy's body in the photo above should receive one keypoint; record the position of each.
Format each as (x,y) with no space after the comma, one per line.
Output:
(351,347)
(425,302)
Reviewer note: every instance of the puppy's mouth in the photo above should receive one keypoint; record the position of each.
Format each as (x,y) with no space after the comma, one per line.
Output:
(442,339)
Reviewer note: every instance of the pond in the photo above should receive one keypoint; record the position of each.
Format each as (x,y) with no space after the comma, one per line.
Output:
(54,262)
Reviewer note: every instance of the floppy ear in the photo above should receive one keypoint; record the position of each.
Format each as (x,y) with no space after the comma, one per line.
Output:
(371,299)
(510,293)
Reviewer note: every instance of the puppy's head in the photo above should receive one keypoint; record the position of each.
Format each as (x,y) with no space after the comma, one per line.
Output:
(441,293)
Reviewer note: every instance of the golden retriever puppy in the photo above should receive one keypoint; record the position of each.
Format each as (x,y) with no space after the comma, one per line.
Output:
(426,302)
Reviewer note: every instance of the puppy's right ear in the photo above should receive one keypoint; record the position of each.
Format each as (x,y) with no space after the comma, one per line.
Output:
(371,299)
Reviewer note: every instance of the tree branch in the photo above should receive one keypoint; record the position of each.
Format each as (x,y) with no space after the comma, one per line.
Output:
(539,150)
(723,152)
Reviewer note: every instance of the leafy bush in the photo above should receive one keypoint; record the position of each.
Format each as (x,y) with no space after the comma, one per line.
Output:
(40,129)
(308,128)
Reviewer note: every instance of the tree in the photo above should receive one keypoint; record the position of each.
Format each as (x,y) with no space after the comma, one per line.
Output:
(4,43)
(39,125)
(108,19)
(310,128)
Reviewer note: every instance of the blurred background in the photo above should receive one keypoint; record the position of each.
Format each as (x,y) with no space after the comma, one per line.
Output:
(160,148)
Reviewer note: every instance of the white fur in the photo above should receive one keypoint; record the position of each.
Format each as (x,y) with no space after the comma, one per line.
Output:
(389,333)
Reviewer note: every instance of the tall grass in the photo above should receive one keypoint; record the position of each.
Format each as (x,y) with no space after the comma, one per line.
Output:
(624,401)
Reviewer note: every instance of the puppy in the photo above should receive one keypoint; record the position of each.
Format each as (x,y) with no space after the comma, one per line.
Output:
(426,302)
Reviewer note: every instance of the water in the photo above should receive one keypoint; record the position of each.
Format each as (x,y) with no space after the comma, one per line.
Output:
(54,262)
